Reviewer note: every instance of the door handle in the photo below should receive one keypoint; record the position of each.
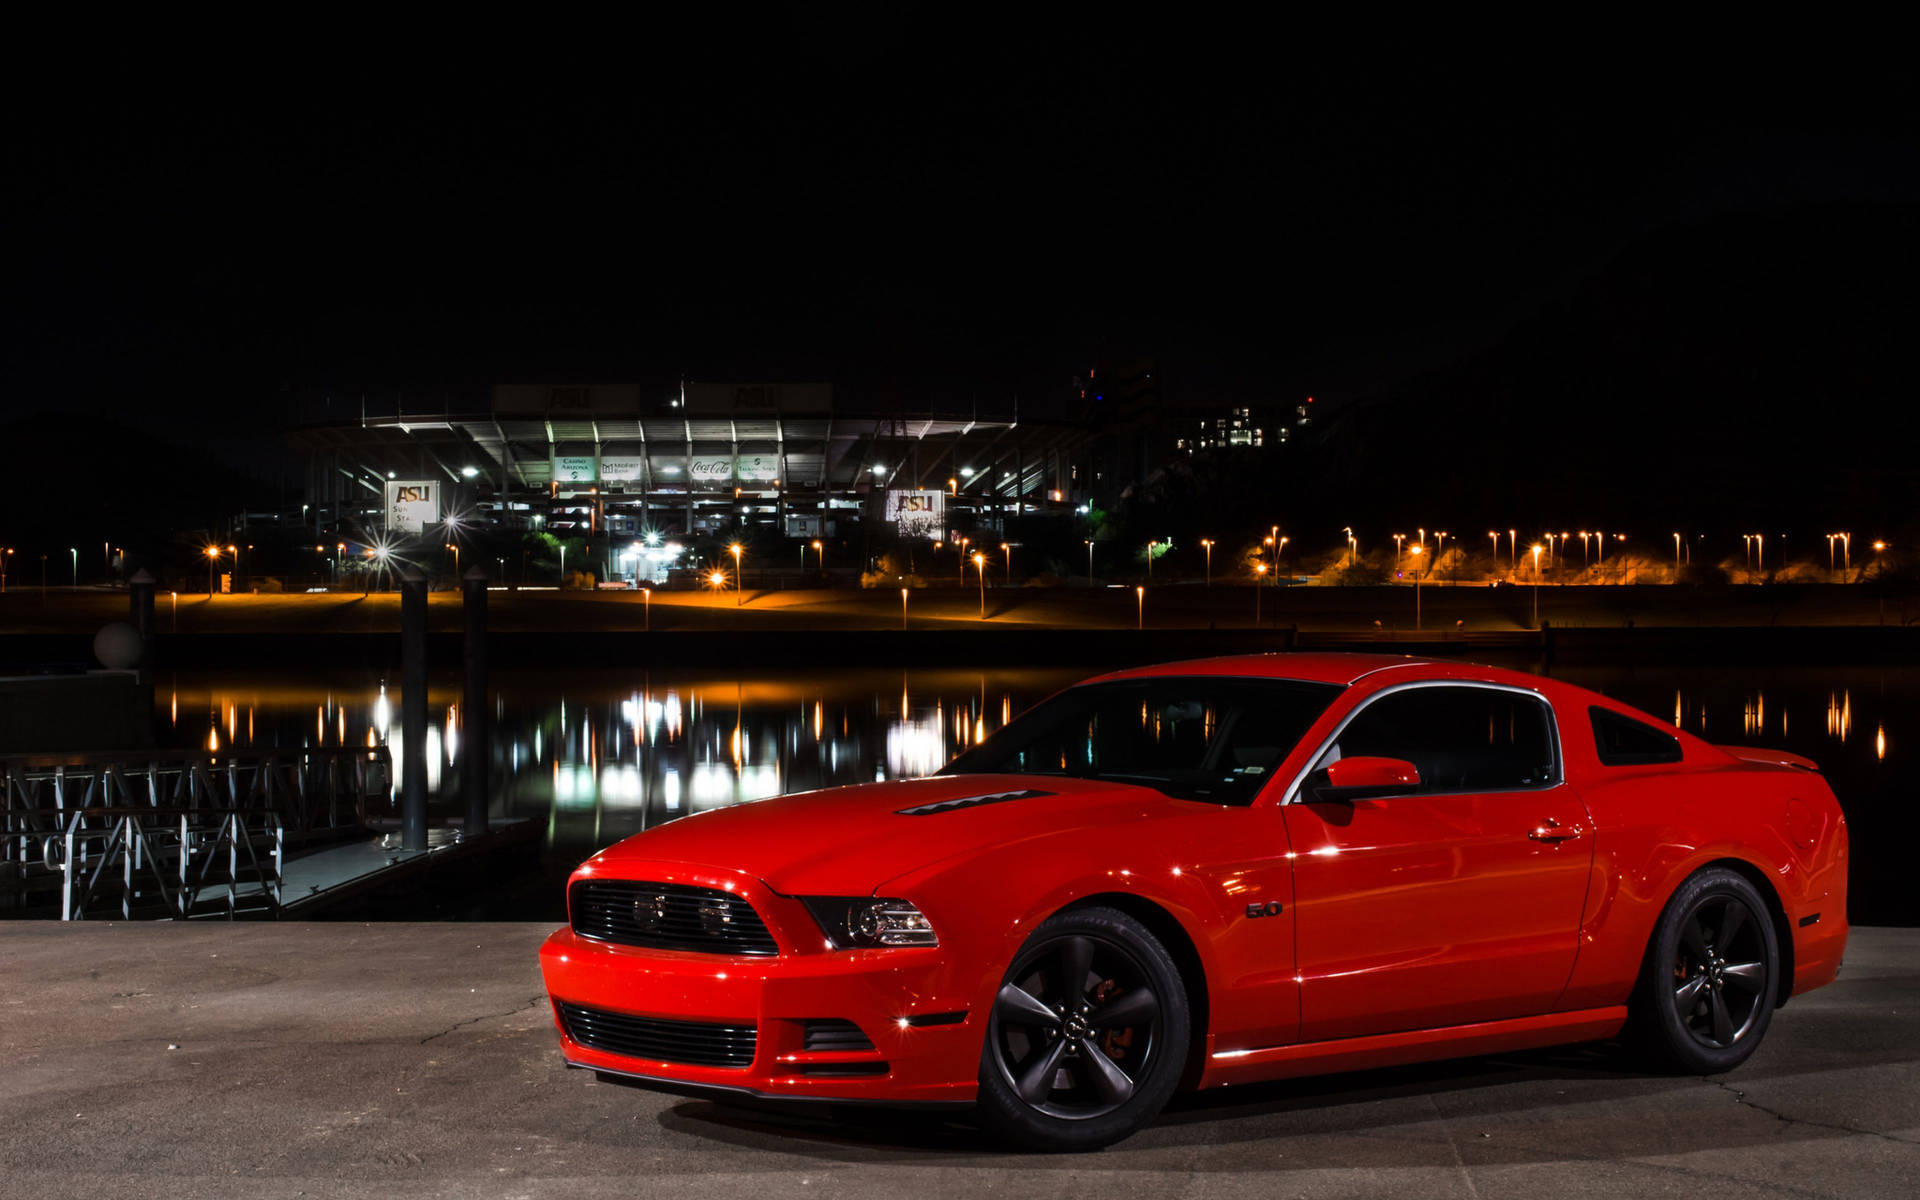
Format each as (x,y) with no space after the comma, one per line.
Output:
(1552,831)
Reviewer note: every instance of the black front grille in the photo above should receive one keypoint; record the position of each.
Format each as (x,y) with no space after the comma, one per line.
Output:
(833,1035)
(694,1043)
(668,916)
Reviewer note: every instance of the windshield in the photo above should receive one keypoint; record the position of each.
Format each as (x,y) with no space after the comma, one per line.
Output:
(1211,738)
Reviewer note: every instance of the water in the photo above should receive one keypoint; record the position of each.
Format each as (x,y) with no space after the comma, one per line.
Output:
(596,756)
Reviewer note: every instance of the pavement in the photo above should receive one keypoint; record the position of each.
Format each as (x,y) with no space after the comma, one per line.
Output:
(314,1059)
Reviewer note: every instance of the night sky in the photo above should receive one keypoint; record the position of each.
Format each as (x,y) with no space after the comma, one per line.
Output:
(191,235)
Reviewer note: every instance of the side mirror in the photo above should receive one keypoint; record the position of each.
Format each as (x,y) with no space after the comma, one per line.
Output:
(1365,777)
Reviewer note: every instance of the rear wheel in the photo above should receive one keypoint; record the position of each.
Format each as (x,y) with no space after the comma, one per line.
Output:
(1707,992)
(1088,1034)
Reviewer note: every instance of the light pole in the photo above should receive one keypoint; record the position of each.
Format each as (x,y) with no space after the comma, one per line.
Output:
(1440,545)
(1150,546)
(1207,545)
(1536,585)
(980,569)
(1089,564)
(903,610)
(1140,594)
(1007,549)
(1399,542)
(1676,556)
(963,544)
(1760,551)
(1259,573)
(647,592)
(738,579)
(75,551)
(819,559)
(1846,555)
(1513,547)
(1418,550)
(213,557)
(1493,535)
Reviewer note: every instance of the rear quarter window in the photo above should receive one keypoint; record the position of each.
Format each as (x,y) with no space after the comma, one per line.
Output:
(1624,742)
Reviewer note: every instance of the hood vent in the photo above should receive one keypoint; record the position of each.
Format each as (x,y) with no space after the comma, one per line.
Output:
(941,806)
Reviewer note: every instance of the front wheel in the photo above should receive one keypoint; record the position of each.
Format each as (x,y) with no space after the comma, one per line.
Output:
(1712,972)
(1088,1034)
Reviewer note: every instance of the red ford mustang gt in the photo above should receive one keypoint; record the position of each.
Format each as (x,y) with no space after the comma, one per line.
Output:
(1209,873)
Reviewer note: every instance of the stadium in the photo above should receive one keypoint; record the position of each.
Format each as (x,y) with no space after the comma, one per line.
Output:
(637,468)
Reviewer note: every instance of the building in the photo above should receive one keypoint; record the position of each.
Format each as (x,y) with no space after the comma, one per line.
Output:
(677,460)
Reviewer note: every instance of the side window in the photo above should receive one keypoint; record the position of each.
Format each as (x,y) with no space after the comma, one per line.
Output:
(1462,739)
(1625,742)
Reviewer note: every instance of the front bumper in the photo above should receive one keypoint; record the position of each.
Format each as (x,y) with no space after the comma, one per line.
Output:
(908,1002)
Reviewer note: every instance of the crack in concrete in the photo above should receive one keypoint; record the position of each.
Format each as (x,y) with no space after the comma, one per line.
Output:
(1740,1097)
(533,1003)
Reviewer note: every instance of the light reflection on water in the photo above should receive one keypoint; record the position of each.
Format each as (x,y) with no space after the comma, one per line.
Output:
(599,755)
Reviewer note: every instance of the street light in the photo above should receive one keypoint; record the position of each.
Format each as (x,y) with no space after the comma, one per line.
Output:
(738,578)
(963,543)
(1089,564)
(819,558)
(980,569)
(903,610)
(1007,550)
(1417,552)
(1513,547)
(1207,544)
(1536,584)
(1150,546)
(76,565)
(1140,594)
(1399,541)
(213,557)
(1259,573)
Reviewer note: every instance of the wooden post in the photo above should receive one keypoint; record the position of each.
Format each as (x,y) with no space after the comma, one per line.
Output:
(475,745)
(413,709)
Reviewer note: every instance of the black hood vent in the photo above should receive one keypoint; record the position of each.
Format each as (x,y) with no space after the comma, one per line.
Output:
(925,810)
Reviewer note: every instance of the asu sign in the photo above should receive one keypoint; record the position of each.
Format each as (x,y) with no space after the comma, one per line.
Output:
(412,505)
(918,514)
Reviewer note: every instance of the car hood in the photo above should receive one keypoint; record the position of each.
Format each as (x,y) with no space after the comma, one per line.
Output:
(847,841)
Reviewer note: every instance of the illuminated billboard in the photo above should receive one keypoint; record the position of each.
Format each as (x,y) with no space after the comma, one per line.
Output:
(918,514)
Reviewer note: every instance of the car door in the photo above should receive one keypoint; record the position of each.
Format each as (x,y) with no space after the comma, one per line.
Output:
(1456,903)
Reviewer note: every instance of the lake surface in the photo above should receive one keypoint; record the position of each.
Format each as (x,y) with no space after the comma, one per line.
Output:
(597,755)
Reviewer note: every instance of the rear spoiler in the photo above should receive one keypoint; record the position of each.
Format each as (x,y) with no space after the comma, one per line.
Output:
(1778,758)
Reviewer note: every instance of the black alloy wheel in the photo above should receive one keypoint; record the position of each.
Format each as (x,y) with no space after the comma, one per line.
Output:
(1712,976)
(1720,975)
(1087,1034)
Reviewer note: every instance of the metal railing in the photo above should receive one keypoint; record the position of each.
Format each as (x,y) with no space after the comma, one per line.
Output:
(140,833)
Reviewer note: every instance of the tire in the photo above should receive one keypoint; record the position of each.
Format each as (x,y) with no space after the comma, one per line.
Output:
(1707,989)
(1116,1036)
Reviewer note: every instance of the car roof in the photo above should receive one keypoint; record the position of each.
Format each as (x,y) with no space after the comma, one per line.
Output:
(1342,669)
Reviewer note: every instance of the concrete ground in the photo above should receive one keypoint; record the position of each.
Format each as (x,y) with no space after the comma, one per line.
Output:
(374,1060)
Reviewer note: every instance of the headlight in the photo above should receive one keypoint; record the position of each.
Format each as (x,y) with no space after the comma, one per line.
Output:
(852,922)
